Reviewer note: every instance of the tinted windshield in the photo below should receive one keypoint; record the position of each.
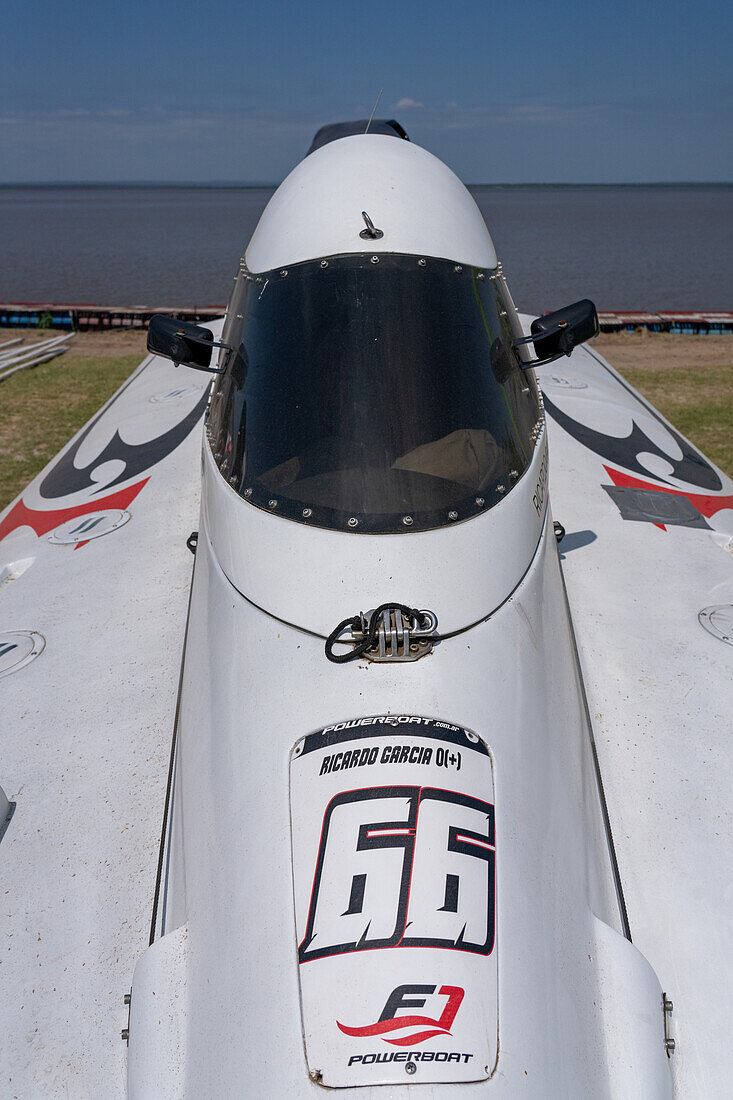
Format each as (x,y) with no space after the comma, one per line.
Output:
(372,394)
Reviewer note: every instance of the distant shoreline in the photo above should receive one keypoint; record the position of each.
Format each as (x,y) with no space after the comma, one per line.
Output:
(229,185)
(86,316)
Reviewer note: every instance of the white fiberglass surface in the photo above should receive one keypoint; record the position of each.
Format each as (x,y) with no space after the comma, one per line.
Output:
(420,205)
(86,731)
(514,680)
(314,577)
(638,574)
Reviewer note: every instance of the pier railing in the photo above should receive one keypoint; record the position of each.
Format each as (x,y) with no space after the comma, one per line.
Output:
(80,317)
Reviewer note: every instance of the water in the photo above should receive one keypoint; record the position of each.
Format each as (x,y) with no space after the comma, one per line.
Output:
(648,247)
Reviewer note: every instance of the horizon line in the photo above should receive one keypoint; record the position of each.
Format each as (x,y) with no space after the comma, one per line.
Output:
(267,184)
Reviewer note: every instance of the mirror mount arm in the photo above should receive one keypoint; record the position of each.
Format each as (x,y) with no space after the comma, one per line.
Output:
(530,339)
(542,362)
(559,327)
(208,344)
(209,370)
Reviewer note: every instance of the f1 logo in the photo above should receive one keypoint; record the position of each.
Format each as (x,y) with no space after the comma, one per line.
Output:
(411,997)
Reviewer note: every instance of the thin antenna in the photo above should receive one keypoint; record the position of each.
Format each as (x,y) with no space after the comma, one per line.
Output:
(374,111)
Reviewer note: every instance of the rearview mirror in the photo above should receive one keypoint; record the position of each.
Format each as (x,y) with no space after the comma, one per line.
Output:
(557,333)
(182,342)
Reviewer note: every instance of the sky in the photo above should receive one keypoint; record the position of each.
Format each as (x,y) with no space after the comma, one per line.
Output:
(523,92)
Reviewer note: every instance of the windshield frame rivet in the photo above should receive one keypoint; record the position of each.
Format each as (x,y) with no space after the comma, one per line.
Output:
(283,272)
(272,503)
(458,268)
(480,501)
(480,275)
(375,259)
(353,521)
(248,492)
(452,515)
(407,520)
(422,262)
(307,512)
(324,263)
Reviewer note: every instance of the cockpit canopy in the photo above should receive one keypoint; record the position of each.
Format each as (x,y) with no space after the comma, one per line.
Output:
(372,394)
(334,131)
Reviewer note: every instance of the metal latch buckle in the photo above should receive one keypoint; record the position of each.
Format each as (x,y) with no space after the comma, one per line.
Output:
(400,637)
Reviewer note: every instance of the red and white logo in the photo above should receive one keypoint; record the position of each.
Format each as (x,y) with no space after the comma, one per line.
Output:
(420,1027)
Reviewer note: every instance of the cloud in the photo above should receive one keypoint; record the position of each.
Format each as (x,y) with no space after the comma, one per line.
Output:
(155,143)
(453,117)
(401,104)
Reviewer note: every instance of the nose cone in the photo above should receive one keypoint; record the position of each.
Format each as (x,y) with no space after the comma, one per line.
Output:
(421,207)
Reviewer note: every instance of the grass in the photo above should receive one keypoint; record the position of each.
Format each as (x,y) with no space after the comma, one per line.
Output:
(42,407)
(700,407)
(688,378)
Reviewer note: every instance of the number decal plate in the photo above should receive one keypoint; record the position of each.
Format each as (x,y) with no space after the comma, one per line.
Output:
(394,851)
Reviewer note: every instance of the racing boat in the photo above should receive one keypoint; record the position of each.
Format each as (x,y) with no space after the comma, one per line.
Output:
(447,778)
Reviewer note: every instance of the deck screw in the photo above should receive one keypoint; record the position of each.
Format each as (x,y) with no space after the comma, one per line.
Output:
(410,1067)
